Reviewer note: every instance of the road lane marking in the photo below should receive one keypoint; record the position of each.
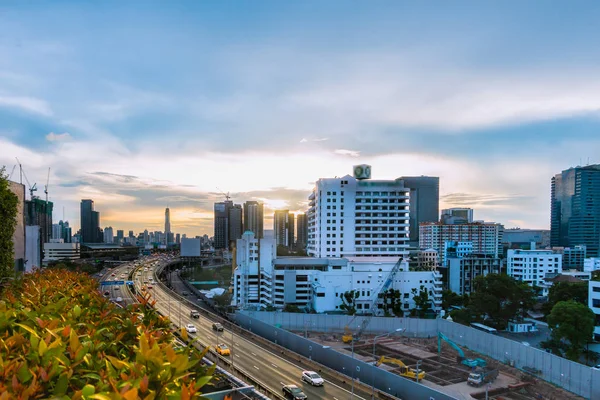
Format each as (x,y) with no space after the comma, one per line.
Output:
(282,384)
(274,366)
(254,354)
(256,367)
(236,356)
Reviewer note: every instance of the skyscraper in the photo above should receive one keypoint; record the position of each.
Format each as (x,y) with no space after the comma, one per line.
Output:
(575,209)
(253,218)
(424,202)
(283,226)
(302,231)
(167,225)
(108,235)
(90,222)
(120,236)
(235,223)
(222,224)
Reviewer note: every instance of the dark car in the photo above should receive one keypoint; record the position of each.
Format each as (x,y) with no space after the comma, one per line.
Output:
(217,327)
(293,392)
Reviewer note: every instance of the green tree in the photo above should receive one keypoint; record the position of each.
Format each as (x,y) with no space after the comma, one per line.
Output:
(565,291)
(349,301)
(574,322)
(499,298)
(291,308)
(450,298)
(422,301)
(8,221)
(392,302)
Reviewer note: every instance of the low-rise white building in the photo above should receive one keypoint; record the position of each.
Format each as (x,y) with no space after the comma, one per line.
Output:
(594,304)
(61,251)
(531,266)
(591,264)
(261,280)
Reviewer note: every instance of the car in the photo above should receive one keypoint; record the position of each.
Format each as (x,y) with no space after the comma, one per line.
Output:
(190,328)
(194,314)
(106,294)
(116,288)
(184,293)
(293,392)
(217,327)
(525,343)
(596,367)
(223,350)
(113,274)
(119,299)
(149,286)
(313,378)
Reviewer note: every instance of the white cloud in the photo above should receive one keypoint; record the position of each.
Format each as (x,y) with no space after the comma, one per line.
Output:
(58,137)
(29,104)
(344,152)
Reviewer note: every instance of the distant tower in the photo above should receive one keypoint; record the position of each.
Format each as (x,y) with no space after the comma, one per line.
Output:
(167,225)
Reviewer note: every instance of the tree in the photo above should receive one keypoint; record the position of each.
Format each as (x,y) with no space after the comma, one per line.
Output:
(8,221)
(392,302)
(498,298)
(422,301)
(574,322)
(450,298)
(349,301)
(289,307)
(565,291)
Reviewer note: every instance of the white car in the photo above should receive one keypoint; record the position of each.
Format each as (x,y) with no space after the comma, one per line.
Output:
(313,378)
(190,328)
(119,299)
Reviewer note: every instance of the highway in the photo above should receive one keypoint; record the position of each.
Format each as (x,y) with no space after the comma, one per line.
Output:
(121,290)
(268,368)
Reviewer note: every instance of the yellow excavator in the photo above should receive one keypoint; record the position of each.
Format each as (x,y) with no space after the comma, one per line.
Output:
(404,370)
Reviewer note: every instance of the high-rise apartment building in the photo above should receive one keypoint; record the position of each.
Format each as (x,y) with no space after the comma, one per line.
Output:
(254,218)
(283,227)
(424,202)
(457,216)
(486,237)
(575,209)
(108,235)
(301,231)
(90,223)
(38,213)
(228,224)
(358,217)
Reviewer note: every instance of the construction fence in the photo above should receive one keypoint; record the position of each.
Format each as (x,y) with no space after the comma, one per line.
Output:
(574,377)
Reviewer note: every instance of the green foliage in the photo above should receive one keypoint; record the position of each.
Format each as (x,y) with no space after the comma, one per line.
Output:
(292,308)
(574,322)
(449,298)
(565,291)
(62,339)
(349,301)
(284,251)
(462,316)
(500,298)
(422,301)
(392,302)
(8,221)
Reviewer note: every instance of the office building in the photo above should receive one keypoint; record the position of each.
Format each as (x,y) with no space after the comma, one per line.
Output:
(463,270)
(518,238)
(532,266)
(575,209)
(358,217)
(90,223)
(486,237)
(146,236)
(18,238)
(38,213)
(120,236)
(228,224)
(108,235)
(452,216)
(235,222)
(66,231)
(283,226)
(56,232)
(167,225)
(572,257)
(262,280)
(61,251)
(254,218)
(178,239)
(191,247)
(424,202)
(594,305)
(301,231)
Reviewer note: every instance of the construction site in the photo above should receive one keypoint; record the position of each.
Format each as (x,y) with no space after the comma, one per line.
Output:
(444,366)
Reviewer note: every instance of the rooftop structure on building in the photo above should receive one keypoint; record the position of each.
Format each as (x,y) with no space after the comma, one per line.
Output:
(451,216)
(575,208)
(486,237)
(355,216)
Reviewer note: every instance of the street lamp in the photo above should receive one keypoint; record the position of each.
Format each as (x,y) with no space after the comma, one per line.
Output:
(373,370)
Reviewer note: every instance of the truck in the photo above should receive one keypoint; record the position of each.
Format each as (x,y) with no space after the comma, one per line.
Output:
(194,314)
(481,376)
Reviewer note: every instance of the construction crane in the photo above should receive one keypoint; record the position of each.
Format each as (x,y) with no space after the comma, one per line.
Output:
(227,196)
(404,370)
(12,172)
(31,188)
(469,362)
(46,186)
(348,337)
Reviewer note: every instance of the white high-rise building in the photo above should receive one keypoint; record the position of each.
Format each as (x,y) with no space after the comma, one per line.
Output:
(350,217)
(531,266)
(108,235)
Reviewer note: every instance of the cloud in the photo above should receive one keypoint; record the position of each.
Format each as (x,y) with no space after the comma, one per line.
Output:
(344,152)
(28,104)
(58,137)
(476,200)
(305,140)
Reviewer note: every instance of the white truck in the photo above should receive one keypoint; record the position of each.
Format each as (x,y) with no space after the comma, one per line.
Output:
(481,376)
(194,314)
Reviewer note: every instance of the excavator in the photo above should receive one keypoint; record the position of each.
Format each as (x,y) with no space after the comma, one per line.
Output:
(469,362)
(404,370)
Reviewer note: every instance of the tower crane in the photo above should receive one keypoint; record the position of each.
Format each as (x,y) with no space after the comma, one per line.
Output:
(31,188)
(12,172)
(227,196)
(46,186)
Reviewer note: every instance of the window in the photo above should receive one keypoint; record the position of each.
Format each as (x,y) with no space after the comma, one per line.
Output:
(596,289)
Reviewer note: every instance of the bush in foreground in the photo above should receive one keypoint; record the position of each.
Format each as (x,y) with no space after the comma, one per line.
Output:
(59,338)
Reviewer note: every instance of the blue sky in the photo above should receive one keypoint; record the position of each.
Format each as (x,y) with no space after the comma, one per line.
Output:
(143,104)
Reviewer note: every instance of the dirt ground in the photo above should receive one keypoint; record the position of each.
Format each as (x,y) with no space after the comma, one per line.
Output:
(443,371)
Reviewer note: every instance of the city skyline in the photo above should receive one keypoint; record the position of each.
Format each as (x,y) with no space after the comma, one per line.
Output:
(173,105)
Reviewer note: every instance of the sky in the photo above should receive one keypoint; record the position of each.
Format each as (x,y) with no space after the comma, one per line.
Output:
(141,105)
